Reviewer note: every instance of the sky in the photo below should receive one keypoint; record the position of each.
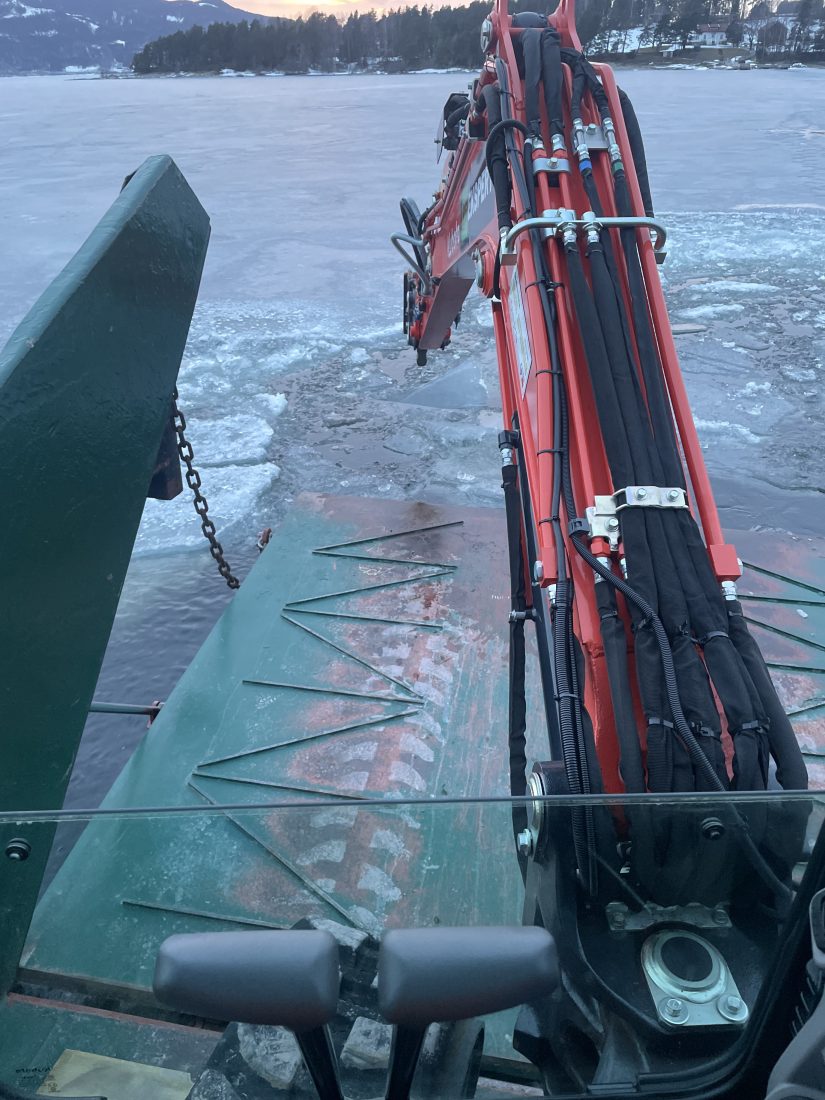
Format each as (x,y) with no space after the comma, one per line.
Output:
(294,8)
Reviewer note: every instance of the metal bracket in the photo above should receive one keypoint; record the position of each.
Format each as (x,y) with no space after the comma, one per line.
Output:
(550,164)
(681,1001)
(650,496)
(603,519)
(594,137)
(620,918)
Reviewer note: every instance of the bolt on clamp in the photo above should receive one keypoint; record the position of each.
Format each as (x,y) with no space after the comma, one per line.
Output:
(603,516)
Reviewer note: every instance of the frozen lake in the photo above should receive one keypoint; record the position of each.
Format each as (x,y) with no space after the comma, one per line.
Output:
(297,375)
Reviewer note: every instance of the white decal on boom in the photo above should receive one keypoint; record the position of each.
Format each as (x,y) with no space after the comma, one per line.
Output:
(521,337)
(479,192)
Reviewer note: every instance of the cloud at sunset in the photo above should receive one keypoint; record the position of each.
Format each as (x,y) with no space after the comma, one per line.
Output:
(295,8)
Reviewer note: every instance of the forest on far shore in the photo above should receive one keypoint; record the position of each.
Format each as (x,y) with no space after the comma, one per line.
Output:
(442,38)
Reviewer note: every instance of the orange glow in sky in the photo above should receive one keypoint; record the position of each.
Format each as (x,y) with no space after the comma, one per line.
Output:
(341,8)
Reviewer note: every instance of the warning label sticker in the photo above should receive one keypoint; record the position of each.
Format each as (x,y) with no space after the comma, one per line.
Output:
(521,337)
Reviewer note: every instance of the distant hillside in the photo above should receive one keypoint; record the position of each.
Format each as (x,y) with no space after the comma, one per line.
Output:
(95,32)
(408,38)
(448,37)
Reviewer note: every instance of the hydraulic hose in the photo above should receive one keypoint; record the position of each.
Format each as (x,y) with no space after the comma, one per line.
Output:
(650,464)
(637,151)
(551,74)
(572,722)
(641,446)
(496,154)
(750,720)
(531,47)
(517,713)
(702,763)
(456,116)
(614,640)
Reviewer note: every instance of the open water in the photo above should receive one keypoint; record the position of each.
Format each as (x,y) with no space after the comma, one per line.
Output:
(296,375)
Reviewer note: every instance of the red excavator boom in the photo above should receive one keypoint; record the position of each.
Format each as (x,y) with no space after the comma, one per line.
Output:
(651,682)
(544,204)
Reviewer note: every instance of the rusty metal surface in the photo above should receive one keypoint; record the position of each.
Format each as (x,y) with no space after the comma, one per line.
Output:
(365,655)
(783,594)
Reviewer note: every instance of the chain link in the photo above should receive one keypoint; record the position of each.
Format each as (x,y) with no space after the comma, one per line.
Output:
(193,480)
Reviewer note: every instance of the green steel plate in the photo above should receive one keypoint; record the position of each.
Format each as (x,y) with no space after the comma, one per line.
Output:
(783,594)
(365,655)
(86,383)
(343,667)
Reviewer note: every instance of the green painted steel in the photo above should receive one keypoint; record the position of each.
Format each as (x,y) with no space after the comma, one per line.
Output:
(346,670)
(365,655)
(85,390)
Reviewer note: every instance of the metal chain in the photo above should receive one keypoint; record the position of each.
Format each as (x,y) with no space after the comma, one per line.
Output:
(193,480)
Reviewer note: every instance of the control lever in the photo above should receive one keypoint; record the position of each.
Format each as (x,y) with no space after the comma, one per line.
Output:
(437,975)
(287,979)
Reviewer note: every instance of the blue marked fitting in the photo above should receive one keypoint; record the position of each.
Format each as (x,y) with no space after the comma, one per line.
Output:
(585,165)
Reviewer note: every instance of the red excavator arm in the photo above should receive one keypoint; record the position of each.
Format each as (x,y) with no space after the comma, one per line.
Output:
(544,205)
(650,679)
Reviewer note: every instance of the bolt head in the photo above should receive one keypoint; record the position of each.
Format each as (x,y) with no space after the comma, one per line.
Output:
(641,494)
(538,571)
(733,1008)
(619,919)
(673,494)
(18,850)
(524,842)
(674,1010)
(720,916)
(612,524)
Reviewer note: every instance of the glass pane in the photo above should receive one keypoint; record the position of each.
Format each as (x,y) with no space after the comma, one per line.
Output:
(667,920)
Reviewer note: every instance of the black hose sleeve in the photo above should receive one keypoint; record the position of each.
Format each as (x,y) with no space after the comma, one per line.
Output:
(496,154)
(517,709)
(614,640)
(657,401)
(604,391)
(573,58)
(681,726)
(791,772)
(633,415)
(552,80)
(637,150)
(507,124)
(458,115)
(531,47)
(412,222)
